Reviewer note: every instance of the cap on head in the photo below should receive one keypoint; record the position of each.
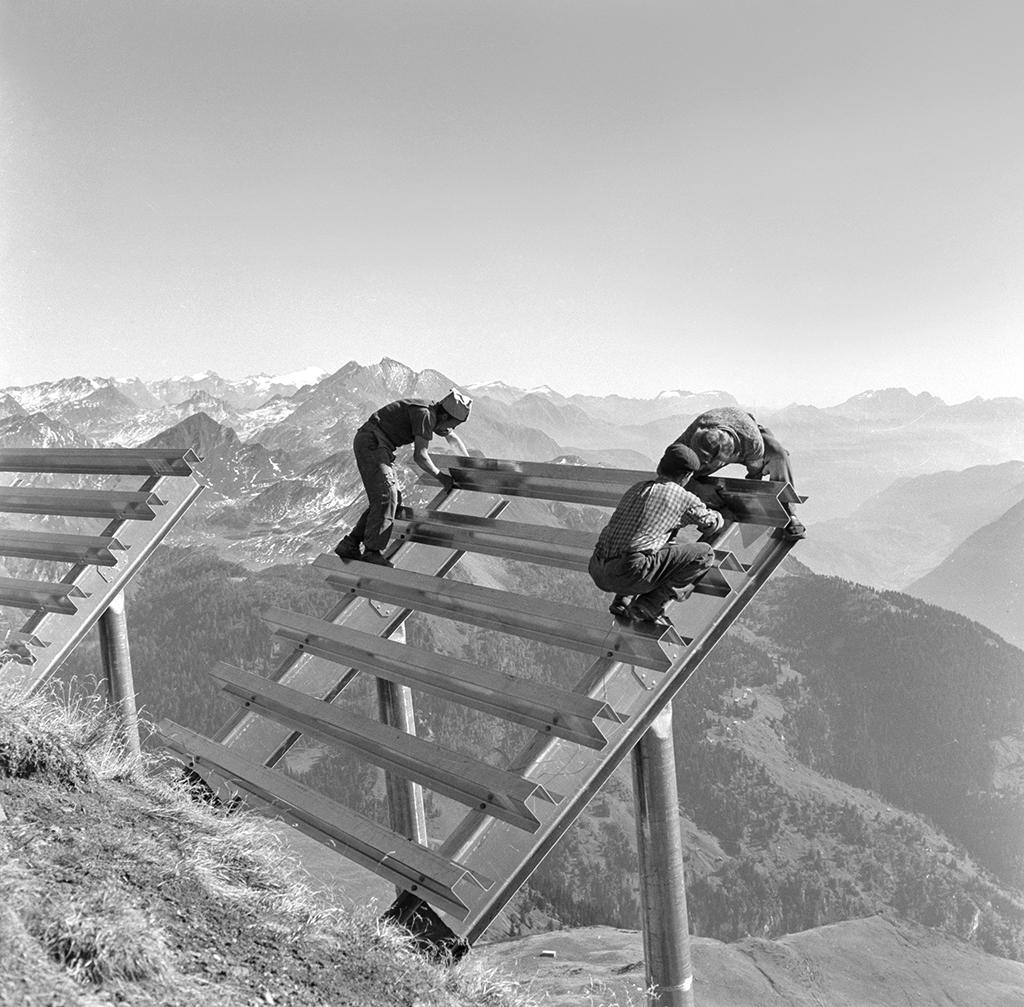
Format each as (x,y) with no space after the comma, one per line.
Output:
(678,460)
(456,405)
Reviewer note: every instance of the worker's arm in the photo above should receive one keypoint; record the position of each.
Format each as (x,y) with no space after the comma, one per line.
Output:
(456,442)
(421,456)
(708,521)
(775,463)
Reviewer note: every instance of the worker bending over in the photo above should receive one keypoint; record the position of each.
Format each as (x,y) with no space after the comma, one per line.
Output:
(636,553)
(729,435)
(407,421)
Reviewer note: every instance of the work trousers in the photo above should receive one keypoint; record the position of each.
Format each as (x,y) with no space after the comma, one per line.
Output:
(375,460)
(656,574)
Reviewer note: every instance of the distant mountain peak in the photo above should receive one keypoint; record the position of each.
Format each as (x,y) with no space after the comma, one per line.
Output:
(199,399)
(9,406)
(306,376)
(199,431)
(888,405)
(495,385)
(37,430)
(892,394)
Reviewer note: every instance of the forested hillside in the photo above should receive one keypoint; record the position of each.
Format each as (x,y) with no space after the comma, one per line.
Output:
(835,752)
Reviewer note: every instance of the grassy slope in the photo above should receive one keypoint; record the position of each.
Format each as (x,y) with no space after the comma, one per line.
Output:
(115,886)
(873,962)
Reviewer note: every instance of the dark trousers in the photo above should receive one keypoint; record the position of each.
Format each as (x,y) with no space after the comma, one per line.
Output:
(654,574)
(375,461)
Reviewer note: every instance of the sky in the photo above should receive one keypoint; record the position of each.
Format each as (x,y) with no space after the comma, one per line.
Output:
(791,200)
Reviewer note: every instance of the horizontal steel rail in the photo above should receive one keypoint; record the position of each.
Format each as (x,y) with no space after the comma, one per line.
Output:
(548,621)
(100,461)
(751,500)
(109,505)
(39,595)
(547,549)
(515,484)
(536,705)
(46,638)
(493,791)
(95,550)
(565,548)
(389,855)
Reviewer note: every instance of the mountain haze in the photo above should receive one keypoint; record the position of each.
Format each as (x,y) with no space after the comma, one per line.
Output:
(912,525)
(983,578)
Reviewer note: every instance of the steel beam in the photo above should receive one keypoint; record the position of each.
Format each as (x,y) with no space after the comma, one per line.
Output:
(562,547)
(95,550)
(541,707)
(408,866)
(51,636)
(117,667)
(112,505)
(548,549)
(752,501)
(510,856)
(548,621)
(100,461)
(660,860)
(395,708)
(493,791)
(39,595)
(263,741)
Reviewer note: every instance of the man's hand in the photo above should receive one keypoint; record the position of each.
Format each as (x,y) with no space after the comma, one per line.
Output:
(446,481)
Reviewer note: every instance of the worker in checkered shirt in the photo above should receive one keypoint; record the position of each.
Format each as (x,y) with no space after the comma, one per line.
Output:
(636,553)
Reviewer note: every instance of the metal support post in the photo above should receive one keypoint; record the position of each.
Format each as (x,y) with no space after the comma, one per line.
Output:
(117,667)
(405,798)
(660,854)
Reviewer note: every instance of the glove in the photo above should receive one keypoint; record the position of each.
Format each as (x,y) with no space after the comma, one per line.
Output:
(719,525)
(446,481)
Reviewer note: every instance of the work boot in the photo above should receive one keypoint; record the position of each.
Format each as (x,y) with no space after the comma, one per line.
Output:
(376,557)
(641,610)
(619,607)
(347,549)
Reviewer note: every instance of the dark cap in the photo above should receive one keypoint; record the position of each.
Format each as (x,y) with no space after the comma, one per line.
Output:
(677,460)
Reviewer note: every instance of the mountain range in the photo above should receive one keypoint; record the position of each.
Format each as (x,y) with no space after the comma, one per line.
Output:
(896,481)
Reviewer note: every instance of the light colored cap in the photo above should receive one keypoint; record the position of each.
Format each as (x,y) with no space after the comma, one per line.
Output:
(456,405)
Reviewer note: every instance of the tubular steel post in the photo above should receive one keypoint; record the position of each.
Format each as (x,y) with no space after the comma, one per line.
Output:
(660,854)
(405,798)
(117,666)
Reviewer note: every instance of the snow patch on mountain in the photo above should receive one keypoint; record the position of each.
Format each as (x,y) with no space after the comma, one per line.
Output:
(308,376)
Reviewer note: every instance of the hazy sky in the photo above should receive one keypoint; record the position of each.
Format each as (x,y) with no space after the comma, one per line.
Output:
(794,200)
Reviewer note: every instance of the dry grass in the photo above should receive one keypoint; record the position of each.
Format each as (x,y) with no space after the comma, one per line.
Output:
(116,886)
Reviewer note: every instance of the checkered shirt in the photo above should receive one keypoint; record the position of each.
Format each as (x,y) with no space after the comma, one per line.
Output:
(648,515)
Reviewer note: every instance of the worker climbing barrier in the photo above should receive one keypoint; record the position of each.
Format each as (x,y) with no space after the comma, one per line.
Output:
(122,502)
(453,887)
